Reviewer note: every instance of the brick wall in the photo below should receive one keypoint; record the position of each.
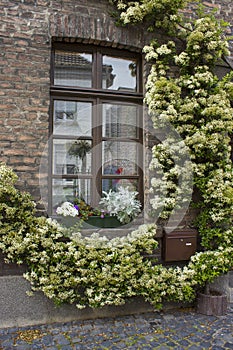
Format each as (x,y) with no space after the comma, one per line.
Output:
(24,87)
(26,31)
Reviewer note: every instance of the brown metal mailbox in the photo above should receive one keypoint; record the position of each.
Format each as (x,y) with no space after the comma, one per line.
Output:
(179,245)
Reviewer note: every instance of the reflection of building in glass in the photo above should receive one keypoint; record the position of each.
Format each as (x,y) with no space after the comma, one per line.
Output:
(67,162)
(106,121)
(75,69)
(72,118)
(120,151)
(107,76)
(72,68)
(124,73)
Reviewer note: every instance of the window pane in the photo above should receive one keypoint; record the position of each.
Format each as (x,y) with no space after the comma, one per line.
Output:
(73,69)
(120,158)
(68,190)
(119,74)
(72,118)
(120,120)
(71,157)
(113,184)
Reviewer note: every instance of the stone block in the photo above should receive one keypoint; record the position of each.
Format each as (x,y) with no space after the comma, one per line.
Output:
(19,309)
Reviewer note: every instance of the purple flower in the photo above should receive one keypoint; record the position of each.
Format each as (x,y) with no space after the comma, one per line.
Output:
(76,206)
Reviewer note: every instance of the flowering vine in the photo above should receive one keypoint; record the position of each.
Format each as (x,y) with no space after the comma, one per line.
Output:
(184,91)
(154,13)
(198,105)
(96,271)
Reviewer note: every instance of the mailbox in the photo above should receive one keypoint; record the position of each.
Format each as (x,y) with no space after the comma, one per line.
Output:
(179,245)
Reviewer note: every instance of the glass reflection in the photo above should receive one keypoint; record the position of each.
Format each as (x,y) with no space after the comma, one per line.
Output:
(120,158)
(72,118)
(120,120)
(73,69)
(71,157)
(114,184)
(118,74)
(69,189)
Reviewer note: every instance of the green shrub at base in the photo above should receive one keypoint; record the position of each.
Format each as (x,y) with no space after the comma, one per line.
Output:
(95,271)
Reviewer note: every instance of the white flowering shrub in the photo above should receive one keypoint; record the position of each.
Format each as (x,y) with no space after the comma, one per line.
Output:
(198,105)
(121,203)
(95,271)
(154,13)
(183,90)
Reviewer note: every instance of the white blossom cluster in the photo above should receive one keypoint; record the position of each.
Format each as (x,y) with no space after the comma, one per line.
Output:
(67,209)
(121,203)
(7,176)
(96,271)
(198,105)
(162,13)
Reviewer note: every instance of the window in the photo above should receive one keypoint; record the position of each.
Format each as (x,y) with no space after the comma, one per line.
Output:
(96,122)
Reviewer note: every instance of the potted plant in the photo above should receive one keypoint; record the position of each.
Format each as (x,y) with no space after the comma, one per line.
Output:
(208,271)
(68,214)
(118,208)
(211,302)
(122,204)
(77,212)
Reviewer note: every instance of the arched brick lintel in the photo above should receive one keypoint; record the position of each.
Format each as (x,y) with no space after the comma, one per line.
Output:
(96,30)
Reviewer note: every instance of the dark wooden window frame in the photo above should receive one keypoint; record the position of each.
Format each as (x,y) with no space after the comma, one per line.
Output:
(96,95)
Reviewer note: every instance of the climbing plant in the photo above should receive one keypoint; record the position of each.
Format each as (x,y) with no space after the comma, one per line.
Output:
(153,13)
(184,91)
(94,271)
(97,271)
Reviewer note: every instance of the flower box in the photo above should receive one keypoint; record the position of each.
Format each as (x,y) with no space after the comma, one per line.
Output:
(97,221)
(67,221)
(92,222)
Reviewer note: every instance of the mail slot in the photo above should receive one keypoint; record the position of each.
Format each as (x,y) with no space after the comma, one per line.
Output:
(179,245)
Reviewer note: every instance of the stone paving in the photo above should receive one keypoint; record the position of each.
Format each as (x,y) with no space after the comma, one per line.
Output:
(176,330)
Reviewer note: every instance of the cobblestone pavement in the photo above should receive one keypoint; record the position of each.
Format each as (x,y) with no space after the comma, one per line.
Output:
(176,330)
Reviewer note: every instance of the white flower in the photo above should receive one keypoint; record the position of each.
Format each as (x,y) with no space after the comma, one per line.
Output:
(67,209)
(123,204)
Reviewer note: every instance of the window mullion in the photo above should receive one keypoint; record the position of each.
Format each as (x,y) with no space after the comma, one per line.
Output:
(98,69)
(97,151)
